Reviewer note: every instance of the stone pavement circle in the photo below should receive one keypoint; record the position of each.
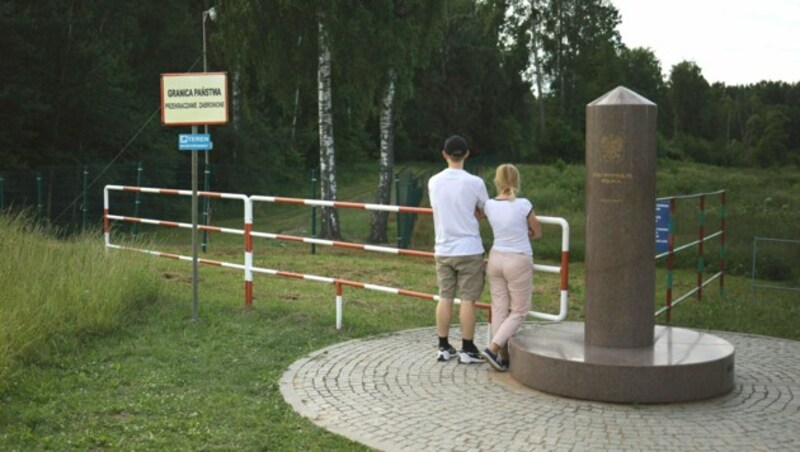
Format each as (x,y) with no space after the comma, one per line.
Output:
(388,392)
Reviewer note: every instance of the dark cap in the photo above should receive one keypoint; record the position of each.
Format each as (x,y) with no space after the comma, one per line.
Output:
(455,146)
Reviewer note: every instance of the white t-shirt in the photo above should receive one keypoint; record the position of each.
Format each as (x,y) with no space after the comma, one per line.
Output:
(509,221)
(454,195)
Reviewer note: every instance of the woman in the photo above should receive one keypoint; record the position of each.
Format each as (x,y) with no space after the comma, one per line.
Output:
(510,268)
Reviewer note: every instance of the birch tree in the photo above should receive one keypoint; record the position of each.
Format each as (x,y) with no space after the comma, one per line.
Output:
(380,219)
(404,28)
(327,156)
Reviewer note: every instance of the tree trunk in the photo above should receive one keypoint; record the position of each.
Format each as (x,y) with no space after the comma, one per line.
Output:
(535,33)
(384,196)
(327,161)
(237,109)
(296,101)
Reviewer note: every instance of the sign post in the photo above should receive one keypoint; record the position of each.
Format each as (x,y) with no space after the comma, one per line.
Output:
(193,100)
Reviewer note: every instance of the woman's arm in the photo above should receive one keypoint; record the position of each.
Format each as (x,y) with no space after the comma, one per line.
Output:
(534,228)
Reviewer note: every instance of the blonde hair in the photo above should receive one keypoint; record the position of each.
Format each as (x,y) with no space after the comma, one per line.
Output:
(506,179)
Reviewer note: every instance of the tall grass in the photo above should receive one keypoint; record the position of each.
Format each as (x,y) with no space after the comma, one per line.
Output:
(56,292)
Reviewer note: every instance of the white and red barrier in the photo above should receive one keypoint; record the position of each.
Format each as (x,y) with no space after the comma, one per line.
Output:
(248,235)
(248,227)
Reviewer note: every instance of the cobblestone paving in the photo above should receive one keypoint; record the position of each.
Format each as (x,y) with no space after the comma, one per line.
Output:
(388,392)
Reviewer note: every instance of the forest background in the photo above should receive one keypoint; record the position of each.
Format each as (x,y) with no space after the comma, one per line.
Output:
(317,84)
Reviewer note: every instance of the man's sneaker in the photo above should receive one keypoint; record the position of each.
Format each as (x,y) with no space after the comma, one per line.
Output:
(494,360)
(470,356)
(446,353)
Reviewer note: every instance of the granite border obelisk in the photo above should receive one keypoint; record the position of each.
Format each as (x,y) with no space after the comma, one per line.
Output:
(620,220)
(618,354)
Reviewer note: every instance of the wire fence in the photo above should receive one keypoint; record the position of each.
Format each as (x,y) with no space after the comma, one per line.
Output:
(70,197)
(775,264)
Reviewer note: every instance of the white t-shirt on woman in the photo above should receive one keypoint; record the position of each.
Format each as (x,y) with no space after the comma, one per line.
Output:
(509,220)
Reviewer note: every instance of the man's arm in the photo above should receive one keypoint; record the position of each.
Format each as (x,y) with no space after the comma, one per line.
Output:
(483,196)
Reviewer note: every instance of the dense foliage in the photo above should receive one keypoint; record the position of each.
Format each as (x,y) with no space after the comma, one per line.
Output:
(80,80)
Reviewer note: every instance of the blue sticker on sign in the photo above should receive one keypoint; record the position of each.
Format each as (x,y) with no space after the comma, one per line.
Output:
(195,142)
(662,227)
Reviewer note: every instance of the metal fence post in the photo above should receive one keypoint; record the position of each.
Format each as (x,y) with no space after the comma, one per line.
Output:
(85,205)
(399,215)
(408,223)
(137,202)
(722,250)
(39,196)
(313,209)
(753,269)
(670,256)
(701,237)
(206,202)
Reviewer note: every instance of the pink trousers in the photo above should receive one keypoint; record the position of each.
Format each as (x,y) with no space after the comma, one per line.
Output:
(511,285)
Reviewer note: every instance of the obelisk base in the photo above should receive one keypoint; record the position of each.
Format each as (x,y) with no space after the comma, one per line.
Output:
(682,365)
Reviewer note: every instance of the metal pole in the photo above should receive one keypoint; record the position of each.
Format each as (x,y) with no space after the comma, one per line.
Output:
(206,201)
(670,257)
(399,217)
(138,201)
(722,250)
(408,218)
(207,172)
(338,304)
(194,233)
(701,234)
(85,205)
(39,194)
(753,269)
(313,209)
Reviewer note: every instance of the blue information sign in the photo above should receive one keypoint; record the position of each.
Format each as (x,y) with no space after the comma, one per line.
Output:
(195,142)
(662,227)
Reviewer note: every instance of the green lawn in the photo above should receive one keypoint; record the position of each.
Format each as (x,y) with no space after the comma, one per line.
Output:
(154,379)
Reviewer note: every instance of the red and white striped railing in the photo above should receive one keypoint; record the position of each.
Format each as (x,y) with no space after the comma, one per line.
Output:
(340,244)
(563,269)
(248,225)
(248,234)
(342,204)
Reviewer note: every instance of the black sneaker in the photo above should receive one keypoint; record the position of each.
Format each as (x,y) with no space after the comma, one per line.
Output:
(494,360)
(446,353)
(470,356)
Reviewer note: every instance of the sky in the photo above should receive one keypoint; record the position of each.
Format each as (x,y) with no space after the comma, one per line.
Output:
(736,42)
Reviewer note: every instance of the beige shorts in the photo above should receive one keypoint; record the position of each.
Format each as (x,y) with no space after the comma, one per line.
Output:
(463,272)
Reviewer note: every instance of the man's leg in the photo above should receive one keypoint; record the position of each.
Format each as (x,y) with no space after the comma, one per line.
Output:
(467,319)
(444,313)
(446,278)
(470,281)
(469,352)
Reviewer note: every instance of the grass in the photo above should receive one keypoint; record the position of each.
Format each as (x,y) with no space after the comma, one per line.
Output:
(150,378)
(56,291)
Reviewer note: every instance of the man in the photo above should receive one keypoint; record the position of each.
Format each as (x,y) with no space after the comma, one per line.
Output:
(457,199)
